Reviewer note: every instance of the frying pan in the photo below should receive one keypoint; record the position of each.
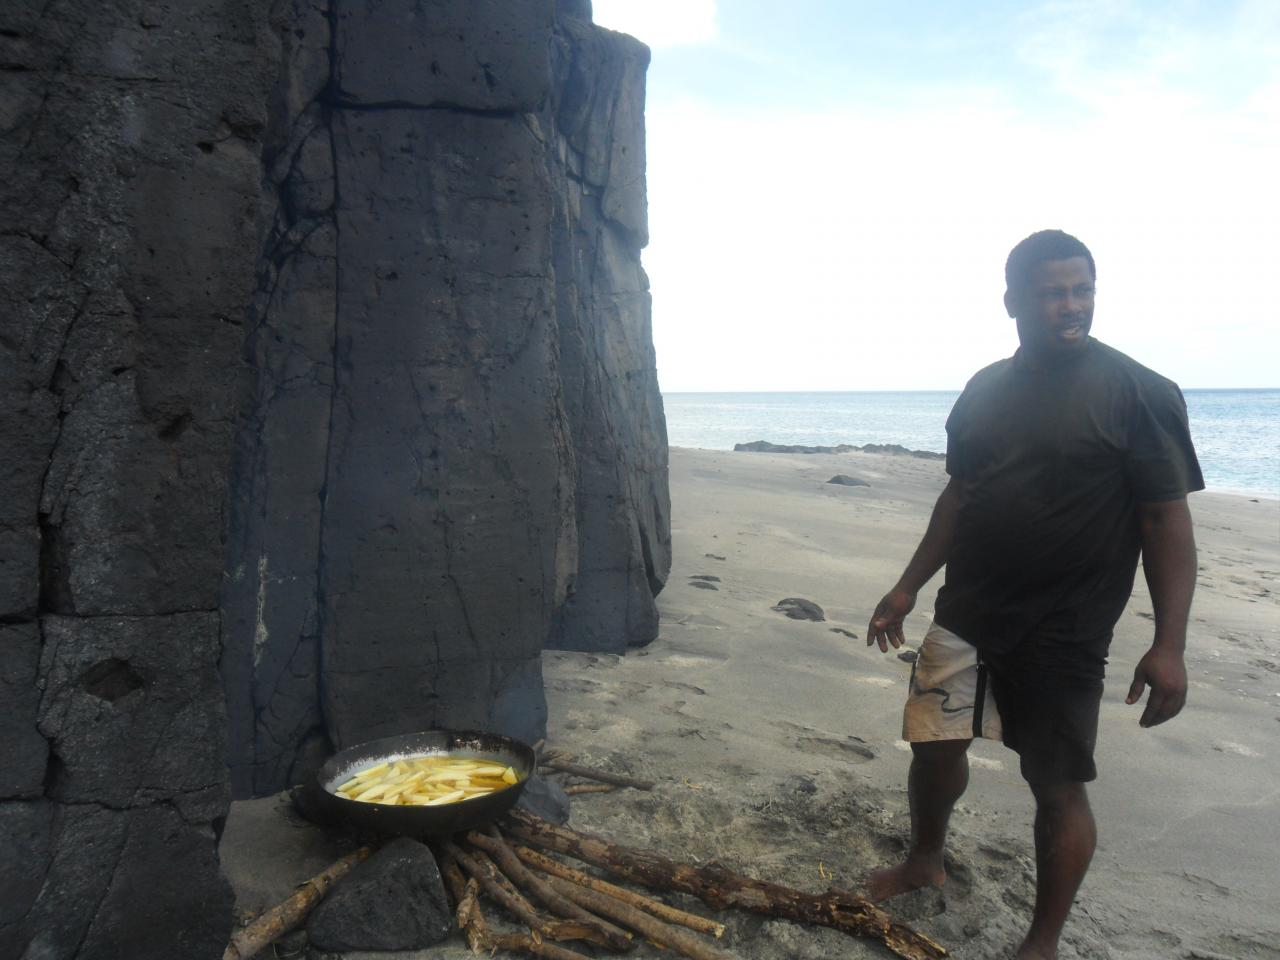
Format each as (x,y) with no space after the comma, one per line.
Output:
(414,821)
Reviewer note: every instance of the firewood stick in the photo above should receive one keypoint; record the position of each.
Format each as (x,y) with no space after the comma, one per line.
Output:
(682,941)
(722,888)
(283,917)
(558,930)
(514,903)
(590,773)
(574,789)
(659,909)
(466,896)
(493,844)
(471,919)
(482,869)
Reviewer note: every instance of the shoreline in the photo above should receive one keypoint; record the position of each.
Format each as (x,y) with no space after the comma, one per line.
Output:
(1217,491)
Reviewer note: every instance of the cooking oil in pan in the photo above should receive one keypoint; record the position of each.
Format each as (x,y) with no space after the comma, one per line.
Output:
(427,781)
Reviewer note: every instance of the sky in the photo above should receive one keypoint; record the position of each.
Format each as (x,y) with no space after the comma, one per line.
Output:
(834,185)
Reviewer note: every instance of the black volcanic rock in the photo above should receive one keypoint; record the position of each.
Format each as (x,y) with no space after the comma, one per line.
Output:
(797,608)
(130,227)
(326,351)
(844,480)
(132,711)
(456,452)
(26,753)
(545,798)
(395,900)
(487,55)
(595,127)
(901,451)
(763,446)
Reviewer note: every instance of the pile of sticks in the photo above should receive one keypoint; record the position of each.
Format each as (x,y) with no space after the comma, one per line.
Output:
(504,864)
(556,903)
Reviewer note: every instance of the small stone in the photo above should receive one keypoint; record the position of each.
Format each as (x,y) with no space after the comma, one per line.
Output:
(546,798)
(705,576)
(908,656)
(847,481)
(848,633)
(703,585)
(713,556)
(797,608)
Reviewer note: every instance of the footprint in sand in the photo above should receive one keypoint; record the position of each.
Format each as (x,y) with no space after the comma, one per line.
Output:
(1239,749)
(851,750)
(677,685)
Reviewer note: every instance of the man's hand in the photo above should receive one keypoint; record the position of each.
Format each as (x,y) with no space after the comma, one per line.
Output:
(886,623)
(1166,672)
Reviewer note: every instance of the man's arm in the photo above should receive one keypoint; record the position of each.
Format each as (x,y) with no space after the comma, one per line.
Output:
(886,623)
(1169,562)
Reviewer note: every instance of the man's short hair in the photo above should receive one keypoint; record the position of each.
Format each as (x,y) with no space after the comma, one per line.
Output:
(1039,247)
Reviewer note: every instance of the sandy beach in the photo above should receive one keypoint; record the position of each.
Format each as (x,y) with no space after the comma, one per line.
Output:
(775,742)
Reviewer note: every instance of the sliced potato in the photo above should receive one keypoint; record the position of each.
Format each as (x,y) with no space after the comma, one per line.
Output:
(428,781)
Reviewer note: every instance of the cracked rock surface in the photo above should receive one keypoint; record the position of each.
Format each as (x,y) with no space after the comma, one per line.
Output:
(456,453)
(328,401)
(129,228)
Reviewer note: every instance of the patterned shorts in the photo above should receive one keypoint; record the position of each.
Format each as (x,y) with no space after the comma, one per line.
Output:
(950,696)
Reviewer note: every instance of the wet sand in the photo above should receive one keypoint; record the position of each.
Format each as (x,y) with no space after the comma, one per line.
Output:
(775,742)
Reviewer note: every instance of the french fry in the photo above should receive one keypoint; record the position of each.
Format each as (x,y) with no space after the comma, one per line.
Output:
(432,780)
(446,798)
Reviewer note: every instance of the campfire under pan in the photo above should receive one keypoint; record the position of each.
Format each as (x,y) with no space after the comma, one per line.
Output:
(419,821)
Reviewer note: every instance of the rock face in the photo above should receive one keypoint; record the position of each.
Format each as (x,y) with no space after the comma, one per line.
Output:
(129,231)
(329,400)
(456,454)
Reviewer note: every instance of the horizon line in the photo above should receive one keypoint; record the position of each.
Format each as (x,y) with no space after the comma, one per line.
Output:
(957,390)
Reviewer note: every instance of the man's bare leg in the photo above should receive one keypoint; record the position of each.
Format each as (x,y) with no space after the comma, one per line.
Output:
(1065,838)
(938,777)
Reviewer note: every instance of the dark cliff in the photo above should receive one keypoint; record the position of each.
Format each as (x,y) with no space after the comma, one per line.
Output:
(329,402)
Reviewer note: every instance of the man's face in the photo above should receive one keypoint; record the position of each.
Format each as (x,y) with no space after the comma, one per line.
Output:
(1054,307)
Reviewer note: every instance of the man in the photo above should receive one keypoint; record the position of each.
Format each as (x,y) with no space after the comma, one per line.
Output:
(1066,461)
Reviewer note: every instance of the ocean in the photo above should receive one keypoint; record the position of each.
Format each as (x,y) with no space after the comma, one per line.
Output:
(1236,432)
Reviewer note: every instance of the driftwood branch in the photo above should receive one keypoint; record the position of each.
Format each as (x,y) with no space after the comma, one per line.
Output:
(607,934)
(560,763)
(680,940)
(574,789)
(723,888)
(280,919)
(660,910)
(471,920)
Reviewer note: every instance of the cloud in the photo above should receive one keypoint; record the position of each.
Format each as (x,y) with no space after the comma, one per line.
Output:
(862,246)
(861,249)
(660,23)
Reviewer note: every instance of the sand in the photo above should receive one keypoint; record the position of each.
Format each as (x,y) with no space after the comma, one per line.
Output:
(775,742)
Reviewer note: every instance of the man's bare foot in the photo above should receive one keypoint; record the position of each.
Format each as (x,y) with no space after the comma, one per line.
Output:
(1028,951)
(903,878)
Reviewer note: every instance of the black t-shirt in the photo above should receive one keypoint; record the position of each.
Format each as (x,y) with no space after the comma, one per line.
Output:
(1052,463)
